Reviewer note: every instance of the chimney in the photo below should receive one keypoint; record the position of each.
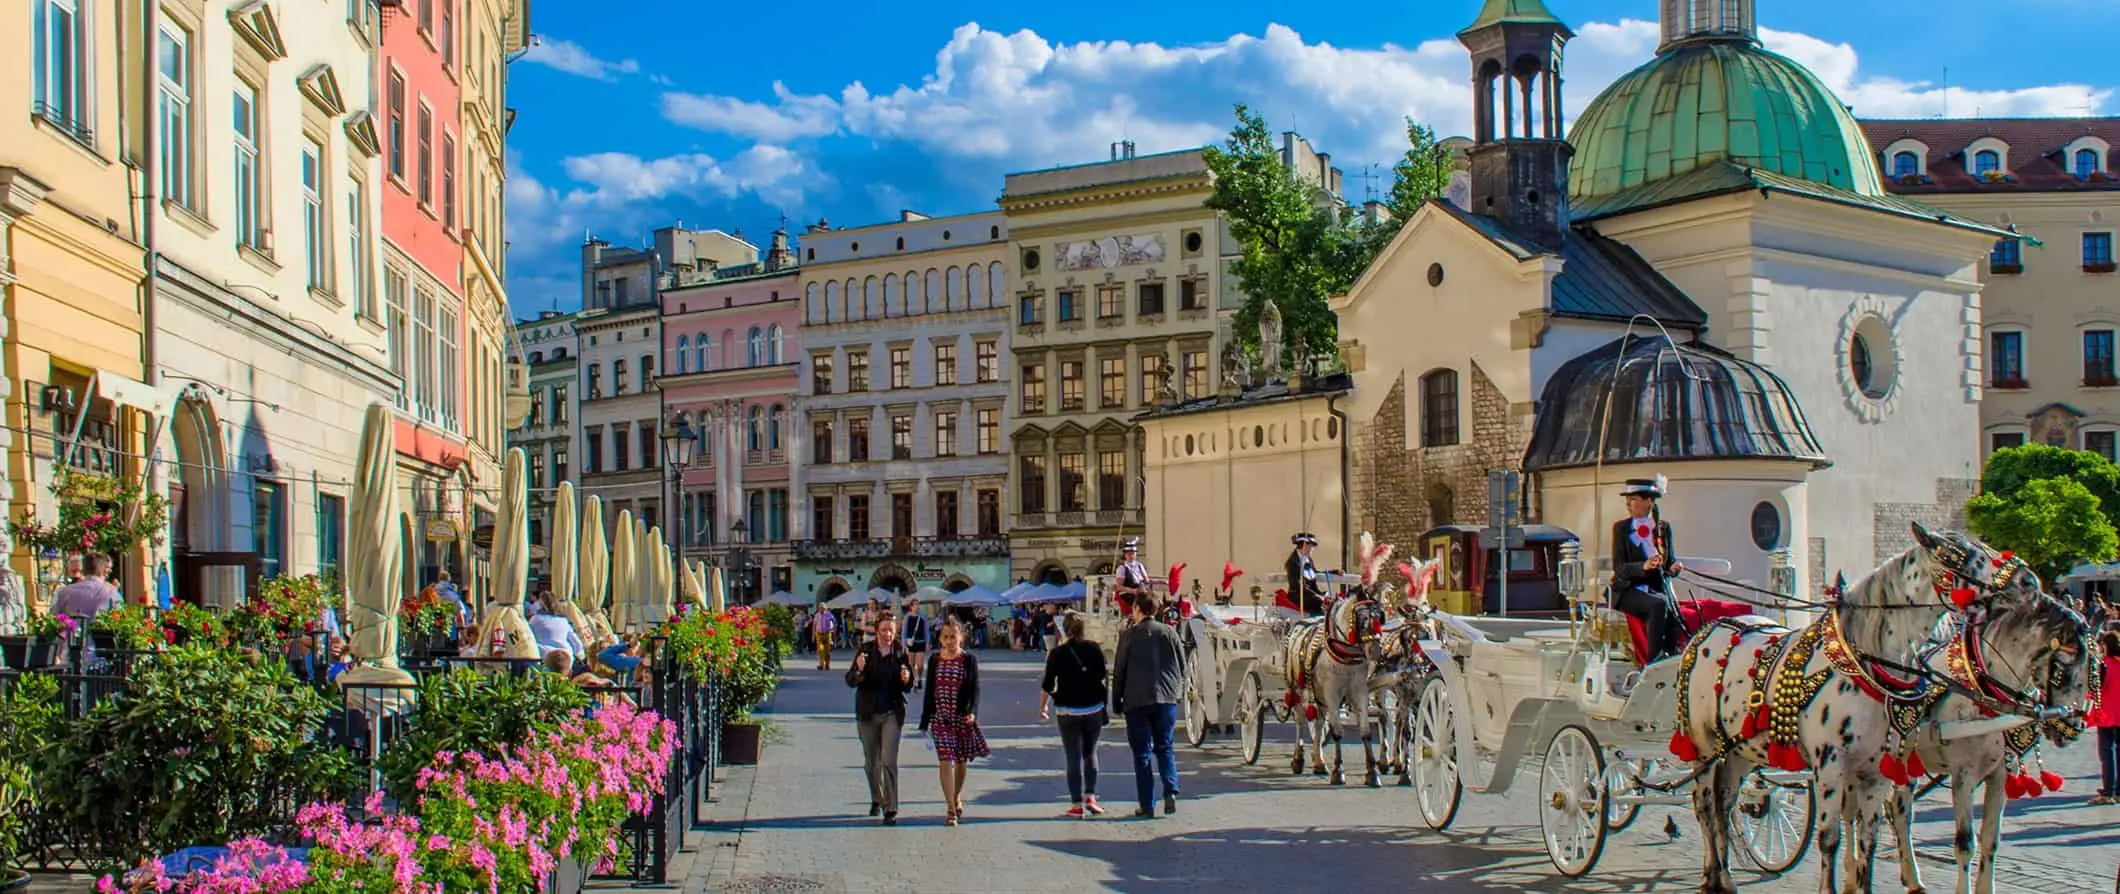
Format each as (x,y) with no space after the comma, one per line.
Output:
(1122,150)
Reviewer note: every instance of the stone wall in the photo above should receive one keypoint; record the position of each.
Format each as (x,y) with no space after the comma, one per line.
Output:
(1400,492)
(1891,525)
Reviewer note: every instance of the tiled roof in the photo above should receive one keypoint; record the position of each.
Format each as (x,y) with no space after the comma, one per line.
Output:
(2035,157)
(1272,392)
(1600,279)
(1724,177)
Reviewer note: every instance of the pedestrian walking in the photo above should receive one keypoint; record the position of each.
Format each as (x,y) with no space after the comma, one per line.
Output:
(949,714)
(915,634)
(2107,719)
(822,626)
(881,674)
(1074,688)
(1148,677)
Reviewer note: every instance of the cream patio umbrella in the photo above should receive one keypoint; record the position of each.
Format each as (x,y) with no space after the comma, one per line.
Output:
(657,597)
(624,568)
(510,572)
(375,572)
(594,568)
(717,590)
(695,585)
(643,576)
(563,556)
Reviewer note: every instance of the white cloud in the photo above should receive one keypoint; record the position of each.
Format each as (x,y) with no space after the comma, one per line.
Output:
(570,57)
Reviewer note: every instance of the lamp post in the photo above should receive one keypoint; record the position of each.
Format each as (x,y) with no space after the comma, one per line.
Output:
(739,561)
(679,448)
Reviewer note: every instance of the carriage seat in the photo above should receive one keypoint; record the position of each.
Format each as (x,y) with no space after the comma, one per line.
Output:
(1697,613)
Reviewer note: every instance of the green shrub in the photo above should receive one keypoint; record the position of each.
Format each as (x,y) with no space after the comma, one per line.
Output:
(468,711)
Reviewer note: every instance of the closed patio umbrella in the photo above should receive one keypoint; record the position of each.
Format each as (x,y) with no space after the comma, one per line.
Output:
(623,569)
(563,557)
(375,572)
(511,567)
(595,568)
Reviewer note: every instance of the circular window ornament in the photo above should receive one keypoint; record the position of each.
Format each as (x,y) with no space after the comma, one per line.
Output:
(1766,526)
(1869,360)
(1435,274)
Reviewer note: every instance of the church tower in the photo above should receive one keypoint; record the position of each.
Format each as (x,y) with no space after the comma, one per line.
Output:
(1519,147)
(1686,21)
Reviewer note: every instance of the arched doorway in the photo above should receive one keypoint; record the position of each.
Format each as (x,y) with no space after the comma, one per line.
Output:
(893,578)
(1050,572)
(957,583)
(832,589)
(198,500)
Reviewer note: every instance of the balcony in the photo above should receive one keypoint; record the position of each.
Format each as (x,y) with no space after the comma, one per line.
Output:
(901,547)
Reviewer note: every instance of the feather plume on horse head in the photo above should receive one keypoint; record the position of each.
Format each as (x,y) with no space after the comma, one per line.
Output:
(1177,571)
(1419,575)
(1230,573)
(1373,556)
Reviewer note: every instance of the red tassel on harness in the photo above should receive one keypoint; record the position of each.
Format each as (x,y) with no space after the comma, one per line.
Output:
(1750,727)
(1793,759)
(1289,698)
(2051,780)
(1682,747)
(1962,597)
(1915,768)
(1310,713)
(1891,768)
(2013,786)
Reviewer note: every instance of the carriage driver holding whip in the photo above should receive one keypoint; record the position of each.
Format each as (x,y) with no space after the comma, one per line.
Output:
(1643,566)
(1133,577)
(1305,583)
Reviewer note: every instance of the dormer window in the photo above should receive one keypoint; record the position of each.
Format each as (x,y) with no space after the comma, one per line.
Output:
(2085,158)
(1907,161)
(2086,162)
(1987,161)
(1906,164)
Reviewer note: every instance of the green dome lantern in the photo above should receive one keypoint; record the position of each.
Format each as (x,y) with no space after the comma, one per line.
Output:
(1712,94)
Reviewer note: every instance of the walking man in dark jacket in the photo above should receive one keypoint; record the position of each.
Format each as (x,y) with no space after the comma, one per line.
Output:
(1148,678)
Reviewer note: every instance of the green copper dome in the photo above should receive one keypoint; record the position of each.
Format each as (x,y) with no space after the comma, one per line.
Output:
(1703,102)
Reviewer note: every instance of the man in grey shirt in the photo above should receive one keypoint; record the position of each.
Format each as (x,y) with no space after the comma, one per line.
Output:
(1148,678)
(91,595)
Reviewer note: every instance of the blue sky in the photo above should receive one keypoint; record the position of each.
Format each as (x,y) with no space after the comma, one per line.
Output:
(852,111)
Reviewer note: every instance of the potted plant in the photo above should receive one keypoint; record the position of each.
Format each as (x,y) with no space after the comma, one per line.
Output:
(97,515)
(427,619)
(40,646)
(736,649)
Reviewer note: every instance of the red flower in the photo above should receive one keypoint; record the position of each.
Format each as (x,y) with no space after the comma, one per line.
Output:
(1641,529)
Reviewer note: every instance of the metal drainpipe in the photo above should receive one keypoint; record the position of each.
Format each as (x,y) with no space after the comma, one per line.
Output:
(1332,406)
(150,169)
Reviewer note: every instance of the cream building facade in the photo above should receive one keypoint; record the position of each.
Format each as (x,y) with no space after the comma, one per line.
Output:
(546,432)
(499,35)
(904,407)
(2048,308)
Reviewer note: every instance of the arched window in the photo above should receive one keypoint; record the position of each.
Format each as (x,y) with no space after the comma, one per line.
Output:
(909,301)
(757,435)
(868,299)
(773,345)
(1439,408)
(810,306)
(703,351)
(851,313)
(2086,162)
(831,300)
(890,292)
(684,354)
(757,347)
(1987,161)
(931,294)
(996,286)
(953,297)
(974,291)
(773,427)
(1905,164)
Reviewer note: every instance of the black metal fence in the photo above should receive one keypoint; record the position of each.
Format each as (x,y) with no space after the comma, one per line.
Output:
(368,718)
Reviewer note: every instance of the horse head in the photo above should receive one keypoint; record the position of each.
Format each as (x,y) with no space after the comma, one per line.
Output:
(1968,574)
(2037,648)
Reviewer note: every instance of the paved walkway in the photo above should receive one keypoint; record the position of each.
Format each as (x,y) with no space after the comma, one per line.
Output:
(798,823)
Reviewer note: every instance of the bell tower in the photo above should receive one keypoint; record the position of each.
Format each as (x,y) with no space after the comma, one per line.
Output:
(1520,149)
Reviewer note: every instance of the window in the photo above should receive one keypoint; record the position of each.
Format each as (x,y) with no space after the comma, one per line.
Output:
(821,374)
(2100,441)
(2007,257)
(703,351)
(1149,297)
(537,471)
(901,368)
(559,466)
(1192,294)
(173,112)
(1030,484)
(857,516)
(901,437)
(619,454)
(755,347)
(1070,385)
(1070,301)
(65,55)
(2006,359)
(858,439)
(649,448)
(988,356)
(1074,493)
(445,35)
(394,286)
(316,240)
(618,376)
(559,404)
(1111,383)
(989,422)
(1111,302)
(1987,161)
(684,353)
(2098,252)
(268,519)
(755,435)
(593,458)
(357,250)
(1111,480)
(821,527)
(449,183)
(946,514)
(1027,311)
(776,422)
(1151,376)
(2098,357)
(773,345)
(945,433)
(1905,164)
(946,363)
(857,370)
(2086,162)
(989,513)
(595,384)
(821,441)
(427,15)
(1439,408)
(426,159)
(2004,440)
(396,125)
(647,370)
(446,366)
(1195,374)
(250,200)
(1033,388)
(331,534)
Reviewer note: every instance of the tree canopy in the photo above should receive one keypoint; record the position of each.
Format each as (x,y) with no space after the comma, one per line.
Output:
(1300,248)
(2052,506)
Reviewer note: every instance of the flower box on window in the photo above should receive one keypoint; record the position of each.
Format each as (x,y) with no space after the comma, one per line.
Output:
(2100,267)
(1998,177)
(2100,380)
(2009,383)
(2006,269)
(1914,180)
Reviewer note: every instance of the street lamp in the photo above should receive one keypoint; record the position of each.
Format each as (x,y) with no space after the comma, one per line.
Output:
(739,560)
(679,448)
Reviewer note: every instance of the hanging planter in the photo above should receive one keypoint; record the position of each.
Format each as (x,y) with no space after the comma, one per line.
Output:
(98,515)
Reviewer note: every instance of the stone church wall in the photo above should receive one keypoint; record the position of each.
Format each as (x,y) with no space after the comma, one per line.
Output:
(1891,524)
(1401,492)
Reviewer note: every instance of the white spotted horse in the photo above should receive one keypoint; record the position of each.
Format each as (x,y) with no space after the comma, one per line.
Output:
(1832,698)
(1328,663)
(2012,677)
(1402,667)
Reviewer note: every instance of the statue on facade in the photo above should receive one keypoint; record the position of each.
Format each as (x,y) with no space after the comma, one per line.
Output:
(1166,381)
(1270,338)
(1236,375)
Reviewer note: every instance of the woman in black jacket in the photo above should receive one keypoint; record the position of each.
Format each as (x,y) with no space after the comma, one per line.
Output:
(1074,687)
(881,675)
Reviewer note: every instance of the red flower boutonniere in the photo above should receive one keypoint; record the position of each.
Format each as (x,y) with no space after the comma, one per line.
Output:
(1641,529)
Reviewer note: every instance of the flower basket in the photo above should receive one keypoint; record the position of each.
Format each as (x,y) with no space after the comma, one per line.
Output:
(741,741)
(28,652)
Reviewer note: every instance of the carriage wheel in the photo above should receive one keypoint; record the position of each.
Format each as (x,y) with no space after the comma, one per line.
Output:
(1571,799)
(1252,708)
(1432,752)
(1773,823)
(1195,717)
(1622,778)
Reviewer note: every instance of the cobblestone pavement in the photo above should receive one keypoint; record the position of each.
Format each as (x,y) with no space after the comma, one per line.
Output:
(798,823)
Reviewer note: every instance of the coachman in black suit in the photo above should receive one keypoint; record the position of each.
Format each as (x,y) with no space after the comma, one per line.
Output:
(1643,566)
(1306,586)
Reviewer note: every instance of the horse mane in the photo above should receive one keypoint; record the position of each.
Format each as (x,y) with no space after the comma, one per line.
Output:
(1867,618)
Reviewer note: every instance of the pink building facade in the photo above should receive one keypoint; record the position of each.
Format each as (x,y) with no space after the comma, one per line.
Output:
(730,343)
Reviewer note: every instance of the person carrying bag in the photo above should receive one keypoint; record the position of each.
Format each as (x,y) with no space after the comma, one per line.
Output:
(1074,688)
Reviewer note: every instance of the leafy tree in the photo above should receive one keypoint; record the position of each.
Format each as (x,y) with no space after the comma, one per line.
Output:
(1299,250)
(2051,523)
(2009,470)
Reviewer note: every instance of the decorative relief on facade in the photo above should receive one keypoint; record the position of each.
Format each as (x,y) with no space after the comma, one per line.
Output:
(1869,357)
(1109,252)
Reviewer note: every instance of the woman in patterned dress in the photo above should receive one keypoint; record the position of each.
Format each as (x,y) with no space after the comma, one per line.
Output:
(949,713)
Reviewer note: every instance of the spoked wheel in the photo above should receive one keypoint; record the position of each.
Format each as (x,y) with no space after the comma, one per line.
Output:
(1251,709)
(1772,823)
(1195,717)
(1432,751)
(1571,794)
(1623,778)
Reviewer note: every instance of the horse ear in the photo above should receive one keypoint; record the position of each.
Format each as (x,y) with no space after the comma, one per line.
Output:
(1923,536)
